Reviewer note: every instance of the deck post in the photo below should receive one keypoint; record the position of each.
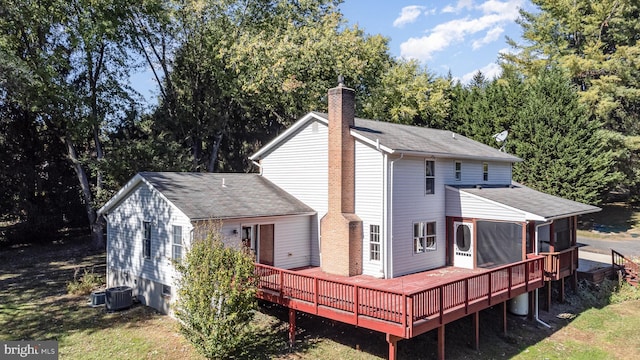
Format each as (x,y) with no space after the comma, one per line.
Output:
(292,327)
(441,342)
(574,280)
(547,303)
(393,346)
(504,318)
(562,298)
(476,327)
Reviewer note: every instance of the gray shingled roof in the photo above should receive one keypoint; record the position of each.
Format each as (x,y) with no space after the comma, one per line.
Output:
(439,143)
(532,201)
(203,196)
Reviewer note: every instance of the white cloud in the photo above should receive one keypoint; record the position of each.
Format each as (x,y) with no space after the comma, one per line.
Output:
(462,4)
(494,15)
(507,51)
(491,36)
(408,14)
(490,71)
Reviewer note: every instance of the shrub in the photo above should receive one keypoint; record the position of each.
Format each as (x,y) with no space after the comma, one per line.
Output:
(216,296)
(85,284)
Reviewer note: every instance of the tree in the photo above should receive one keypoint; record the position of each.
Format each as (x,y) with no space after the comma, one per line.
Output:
(65,62)
(484,108)
(596,43)
(564,150)
(216,296)
(38,187)
(233,74)
(409,94)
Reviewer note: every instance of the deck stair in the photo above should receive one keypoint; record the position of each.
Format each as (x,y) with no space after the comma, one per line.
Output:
(629,269)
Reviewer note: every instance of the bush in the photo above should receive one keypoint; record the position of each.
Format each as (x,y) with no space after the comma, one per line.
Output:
(216,296)
(86,284)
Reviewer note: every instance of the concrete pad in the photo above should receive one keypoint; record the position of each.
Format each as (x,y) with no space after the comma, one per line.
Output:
(588,261)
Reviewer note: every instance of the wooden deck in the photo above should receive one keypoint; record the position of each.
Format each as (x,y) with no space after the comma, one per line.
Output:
(404,307)
(560,264)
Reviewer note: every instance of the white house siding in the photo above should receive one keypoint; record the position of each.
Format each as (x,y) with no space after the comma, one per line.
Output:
(126,264)
(472,172)
(410,205)
(291,236)
(460,204)
(299,166)
(369,193)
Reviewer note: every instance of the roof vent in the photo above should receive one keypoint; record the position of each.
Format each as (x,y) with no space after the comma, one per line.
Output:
(479,187)
(223,183)
(118,298)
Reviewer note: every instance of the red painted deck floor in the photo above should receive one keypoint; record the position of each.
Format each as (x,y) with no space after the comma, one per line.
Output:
(404,284)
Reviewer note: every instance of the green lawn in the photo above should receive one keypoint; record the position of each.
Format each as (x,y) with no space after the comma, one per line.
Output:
(34,305)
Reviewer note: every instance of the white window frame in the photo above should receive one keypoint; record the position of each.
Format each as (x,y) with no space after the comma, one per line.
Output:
(177,231)
(429,177)
(424,236)
(146,239)
(458,170)
(374,243)
(485,171)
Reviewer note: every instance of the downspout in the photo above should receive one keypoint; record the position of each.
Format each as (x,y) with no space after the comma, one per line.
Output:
(385,199)
(537,251)
(389,254)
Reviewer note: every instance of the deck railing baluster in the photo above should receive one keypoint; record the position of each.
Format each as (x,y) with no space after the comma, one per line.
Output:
(398,307)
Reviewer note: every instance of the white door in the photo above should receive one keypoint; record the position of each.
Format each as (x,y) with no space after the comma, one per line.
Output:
(463,245)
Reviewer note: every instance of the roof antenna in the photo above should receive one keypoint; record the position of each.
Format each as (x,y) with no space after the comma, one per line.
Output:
(501,137)
(340,81)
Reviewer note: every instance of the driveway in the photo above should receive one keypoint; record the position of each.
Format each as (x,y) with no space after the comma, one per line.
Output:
(627,247)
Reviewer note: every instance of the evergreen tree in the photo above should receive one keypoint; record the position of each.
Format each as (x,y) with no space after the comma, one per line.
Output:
(596,43)
(563,149)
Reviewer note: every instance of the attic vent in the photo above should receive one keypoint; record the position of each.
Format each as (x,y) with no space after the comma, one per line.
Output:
(118,298)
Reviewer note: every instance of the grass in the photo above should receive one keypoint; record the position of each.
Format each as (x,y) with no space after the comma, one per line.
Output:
(34,304)
(617,219)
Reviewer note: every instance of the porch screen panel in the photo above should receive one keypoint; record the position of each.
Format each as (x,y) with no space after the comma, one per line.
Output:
(562,234)
(498,243)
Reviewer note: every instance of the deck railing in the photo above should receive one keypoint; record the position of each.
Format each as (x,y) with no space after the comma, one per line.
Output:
(358,304)
(622,262)
(560,264)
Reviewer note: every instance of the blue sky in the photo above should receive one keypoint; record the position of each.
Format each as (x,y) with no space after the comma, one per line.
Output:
(462,36)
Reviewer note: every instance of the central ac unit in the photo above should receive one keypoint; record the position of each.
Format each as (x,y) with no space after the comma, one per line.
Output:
(118,298)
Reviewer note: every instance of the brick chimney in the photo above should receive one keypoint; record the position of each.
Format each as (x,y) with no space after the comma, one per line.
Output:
(341,228)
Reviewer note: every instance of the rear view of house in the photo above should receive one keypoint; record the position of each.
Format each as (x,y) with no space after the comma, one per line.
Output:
(361,202)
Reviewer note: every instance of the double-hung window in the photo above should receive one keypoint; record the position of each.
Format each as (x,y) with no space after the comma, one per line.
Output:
(146,240)
(430,177)
(424,237)
(485,171)
(176,253)
(458,170)
(374,242)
